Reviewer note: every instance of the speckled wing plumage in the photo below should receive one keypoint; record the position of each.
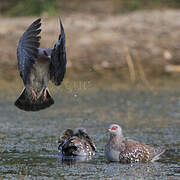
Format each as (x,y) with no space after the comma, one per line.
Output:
(135,151)
(27,50)
(81,133)
(76,143)
(58,59)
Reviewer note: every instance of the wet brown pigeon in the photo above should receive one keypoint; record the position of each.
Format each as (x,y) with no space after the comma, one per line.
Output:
(76,143)
(126,150)
(37,66)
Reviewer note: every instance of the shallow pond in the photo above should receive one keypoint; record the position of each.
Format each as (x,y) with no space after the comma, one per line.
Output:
(28,140)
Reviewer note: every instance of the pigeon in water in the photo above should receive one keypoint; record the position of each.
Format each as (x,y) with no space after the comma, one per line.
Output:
(126,150)
(37,66)
(76,143)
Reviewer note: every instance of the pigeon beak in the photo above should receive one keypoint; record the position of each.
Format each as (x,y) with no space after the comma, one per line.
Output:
(109,130)
(48,51)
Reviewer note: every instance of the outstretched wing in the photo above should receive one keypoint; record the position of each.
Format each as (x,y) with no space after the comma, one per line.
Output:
(58,59)
(27,50)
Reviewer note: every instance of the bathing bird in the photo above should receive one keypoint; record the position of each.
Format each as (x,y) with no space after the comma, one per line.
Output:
(76,143)
(37,66)
(126,150)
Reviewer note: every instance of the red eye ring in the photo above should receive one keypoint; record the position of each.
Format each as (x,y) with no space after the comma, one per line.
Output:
(45,53)
(114,128)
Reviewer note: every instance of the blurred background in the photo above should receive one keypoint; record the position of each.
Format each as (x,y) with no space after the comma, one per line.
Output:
(123,67)
(134,41)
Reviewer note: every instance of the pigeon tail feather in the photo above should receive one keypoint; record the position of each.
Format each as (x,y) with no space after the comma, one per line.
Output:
(26,101)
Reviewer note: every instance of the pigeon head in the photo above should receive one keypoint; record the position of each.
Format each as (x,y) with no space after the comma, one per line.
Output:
(115,129)
(44,53)
(48,52)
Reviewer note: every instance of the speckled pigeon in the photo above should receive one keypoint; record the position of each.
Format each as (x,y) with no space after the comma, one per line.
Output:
(76,143)
(126,150)
(37,66)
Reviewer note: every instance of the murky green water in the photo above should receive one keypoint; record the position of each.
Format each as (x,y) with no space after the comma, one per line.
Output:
(28,141)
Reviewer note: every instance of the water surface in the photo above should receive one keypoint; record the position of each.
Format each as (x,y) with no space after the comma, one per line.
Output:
(28,140)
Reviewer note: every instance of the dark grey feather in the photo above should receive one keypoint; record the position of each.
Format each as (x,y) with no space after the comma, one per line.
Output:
(27,50)
(58,59)
(27,103)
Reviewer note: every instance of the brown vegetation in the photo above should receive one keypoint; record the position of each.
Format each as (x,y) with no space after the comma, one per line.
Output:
(98,42)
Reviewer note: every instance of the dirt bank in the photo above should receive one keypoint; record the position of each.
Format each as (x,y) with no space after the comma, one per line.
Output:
(147,40)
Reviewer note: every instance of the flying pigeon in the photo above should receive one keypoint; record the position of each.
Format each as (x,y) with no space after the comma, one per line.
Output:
(76,143)
(37,66)
(126,150)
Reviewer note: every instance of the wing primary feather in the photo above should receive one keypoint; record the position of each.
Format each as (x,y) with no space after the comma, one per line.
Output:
(62,29)
(58,59)
(27,50)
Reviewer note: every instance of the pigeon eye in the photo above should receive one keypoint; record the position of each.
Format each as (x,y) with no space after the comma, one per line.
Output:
(45,53)
(114,127)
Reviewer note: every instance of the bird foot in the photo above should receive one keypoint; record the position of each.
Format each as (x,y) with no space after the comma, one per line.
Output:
(33,94)
(45,94)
